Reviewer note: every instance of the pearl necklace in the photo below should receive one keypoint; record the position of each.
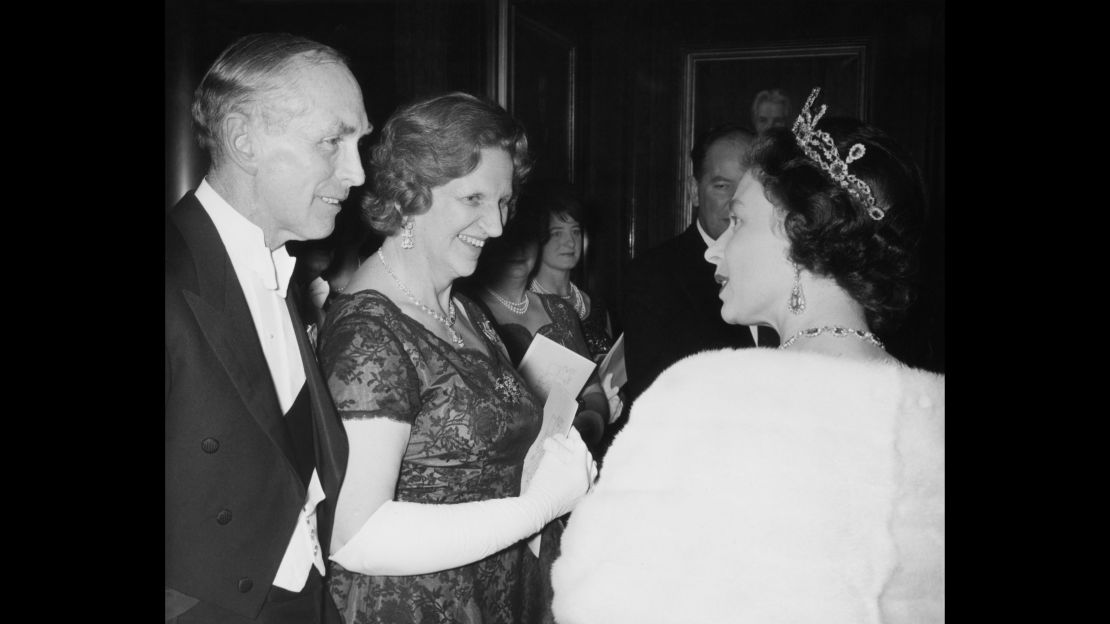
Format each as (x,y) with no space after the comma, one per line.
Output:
(448,322)
(515,308)
(579,302)
(835,330)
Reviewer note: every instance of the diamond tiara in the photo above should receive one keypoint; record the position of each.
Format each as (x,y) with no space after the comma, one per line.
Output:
(821,149)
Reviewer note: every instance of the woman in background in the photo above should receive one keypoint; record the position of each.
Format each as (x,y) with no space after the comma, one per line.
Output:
(504,270)
(431,521)
(555,205)
(803,484)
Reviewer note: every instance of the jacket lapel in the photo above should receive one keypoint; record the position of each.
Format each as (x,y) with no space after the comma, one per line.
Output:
(330,440)
(221,311)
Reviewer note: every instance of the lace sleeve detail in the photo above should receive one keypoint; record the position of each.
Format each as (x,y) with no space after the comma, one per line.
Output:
(368,369)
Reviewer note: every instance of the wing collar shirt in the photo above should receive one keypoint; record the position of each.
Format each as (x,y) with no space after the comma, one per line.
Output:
(264,276)
(709,240)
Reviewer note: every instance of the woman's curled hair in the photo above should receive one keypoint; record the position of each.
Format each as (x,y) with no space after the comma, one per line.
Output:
(427,144)
(831,234)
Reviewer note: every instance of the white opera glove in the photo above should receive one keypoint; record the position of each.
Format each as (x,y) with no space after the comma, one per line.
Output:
(318,290)
(616,404)
(566,472)
(402,538)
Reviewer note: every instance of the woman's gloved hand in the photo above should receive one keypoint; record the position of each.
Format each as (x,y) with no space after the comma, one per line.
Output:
(565,473)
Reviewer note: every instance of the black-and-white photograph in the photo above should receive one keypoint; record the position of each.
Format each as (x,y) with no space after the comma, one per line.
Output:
(555,311)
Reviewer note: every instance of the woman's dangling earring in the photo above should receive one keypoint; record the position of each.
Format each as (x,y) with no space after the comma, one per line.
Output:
(797,302)
(406,233)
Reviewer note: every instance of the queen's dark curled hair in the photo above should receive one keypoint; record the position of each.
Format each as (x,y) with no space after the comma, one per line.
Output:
(831,234)
(430,142)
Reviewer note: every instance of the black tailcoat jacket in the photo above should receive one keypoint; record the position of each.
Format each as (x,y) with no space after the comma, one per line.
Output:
(233,494)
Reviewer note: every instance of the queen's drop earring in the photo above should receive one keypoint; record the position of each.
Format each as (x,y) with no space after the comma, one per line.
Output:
(797,302)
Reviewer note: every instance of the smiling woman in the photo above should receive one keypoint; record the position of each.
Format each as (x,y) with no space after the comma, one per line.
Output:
(431,518)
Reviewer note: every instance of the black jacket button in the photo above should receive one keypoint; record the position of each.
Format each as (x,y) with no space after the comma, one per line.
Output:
(224,516)
(245,585)
(210,445)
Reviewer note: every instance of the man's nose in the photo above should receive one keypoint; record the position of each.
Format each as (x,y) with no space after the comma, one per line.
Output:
(350,170)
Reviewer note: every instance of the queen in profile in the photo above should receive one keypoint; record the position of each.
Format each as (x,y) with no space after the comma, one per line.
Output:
(803,484)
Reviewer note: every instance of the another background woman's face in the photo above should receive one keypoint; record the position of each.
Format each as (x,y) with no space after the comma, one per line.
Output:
(520,264)
(751,258)
(564,249)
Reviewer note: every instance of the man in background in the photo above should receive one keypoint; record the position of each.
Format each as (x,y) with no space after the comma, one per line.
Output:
(670,298)
(254,450)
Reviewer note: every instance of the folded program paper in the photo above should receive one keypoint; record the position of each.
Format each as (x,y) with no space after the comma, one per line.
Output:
(547,364)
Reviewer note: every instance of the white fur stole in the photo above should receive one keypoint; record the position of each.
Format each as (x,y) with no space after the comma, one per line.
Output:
(760,486)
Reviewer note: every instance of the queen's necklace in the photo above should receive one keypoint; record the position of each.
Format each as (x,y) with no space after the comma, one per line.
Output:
(835,330)
(448,322)
(515,308)
(579,303)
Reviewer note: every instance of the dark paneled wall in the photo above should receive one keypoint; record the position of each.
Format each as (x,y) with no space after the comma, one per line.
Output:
(634,89)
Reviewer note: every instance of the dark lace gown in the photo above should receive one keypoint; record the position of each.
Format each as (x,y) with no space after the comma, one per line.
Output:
(473,420)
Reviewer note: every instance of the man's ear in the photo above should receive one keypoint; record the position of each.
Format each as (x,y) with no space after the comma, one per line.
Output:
(240,142)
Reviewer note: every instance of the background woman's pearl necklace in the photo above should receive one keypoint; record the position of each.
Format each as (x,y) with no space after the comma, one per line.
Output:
(579,302)
(515,308)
